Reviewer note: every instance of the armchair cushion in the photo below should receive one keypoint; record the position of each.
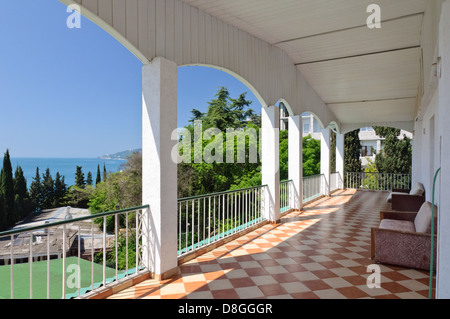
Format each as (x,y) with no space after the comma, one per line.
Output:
(389,198)
(422,222)
(418,189)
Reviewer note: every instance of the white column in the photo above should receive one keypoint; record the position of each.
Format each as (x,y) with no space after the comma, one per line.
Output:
(325,159)
(443,258)
(416,161)
(270,162)
(296,160)
(340,159)
(159,171)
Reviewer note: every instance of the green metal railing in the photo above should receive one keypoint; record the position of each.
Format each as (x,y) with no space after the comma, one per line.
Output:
(285,195)
(205,219)
(377,181)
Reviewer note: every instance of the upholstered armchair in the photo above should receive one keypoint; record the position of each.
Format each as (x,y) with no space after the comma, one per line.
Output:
(407,200)
(404,238)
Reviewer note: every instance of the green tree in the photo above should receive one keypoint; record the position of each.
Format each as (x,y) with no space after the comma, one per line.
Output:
(224,114)
(122,250)
(79,177)
(284,155)
(311,156)
(396,155)
(36,191)
(371,177)
(121,189)
(7,190)
(78,197)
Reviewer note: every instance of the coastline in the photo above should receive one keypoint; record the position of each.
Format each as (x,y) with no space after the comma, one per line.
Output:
(65,166)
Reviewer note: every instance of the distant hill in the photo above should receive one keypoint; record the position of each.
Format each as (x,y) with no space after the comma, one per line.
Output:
(121,155)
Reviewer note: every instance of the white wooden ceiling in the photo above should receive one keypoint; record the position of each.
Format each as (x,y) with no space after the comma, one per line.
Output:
(363,75)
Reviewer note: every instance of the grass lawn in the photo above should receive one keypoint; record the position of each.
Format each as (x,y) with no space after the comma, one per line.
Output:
(22,278)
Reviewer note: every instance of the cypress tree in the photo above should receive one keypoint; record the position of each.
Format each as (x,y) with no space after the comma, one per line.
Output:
(99,176)
(104,172)
(21,194)
(60,190)
(48,190)
(89,179)
(352,151)
(79,177)
(36,191)
(352,161)
(7,182)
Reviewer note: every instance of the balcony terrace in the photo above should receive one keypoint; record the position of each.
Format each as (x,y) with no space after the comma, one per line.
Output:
(321,252)
(327,58)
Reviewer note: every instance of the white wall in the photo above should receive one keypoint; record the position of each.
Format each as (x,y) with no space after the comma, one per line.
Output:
(432,130)
(427,127)
(443,232)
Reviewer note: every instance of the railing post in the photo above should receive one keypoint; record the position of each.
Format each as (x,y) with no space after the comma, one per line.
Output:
(12,266)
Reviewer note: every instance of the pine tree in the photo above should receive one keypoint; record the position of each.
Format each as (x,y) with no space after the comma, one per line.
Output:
(104,172)
(7,188)
(36,191)
(99,176)
(79,177)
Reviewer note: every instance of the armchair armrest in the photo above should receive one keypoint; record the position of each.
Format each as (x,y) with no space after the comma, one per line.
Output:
(398,215)
(401,190)
(407,202)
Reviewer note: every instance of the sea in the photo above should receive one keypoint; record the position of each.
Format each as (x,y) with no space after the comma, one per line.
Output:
(65,166)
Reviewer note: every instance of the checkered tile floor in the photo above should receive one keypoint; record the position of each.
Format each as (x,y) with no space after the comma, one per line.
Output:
(320,253)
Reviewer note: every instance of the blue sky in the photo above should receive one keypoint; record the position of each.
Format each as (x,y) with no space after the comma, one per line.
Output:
(77,92)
